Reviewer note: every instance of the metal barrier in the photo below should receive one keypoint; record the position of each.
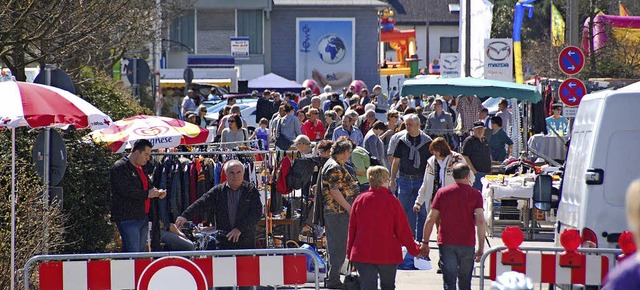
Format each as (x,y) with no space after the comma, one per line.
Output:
(219,268)
(590,268)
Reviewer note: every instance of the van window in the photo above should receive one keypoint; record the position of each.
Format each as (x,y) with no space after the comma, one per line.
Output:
(623,157)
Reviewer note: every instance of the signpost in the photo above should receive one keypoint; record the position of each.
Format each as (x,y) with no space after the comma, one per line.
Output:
(571,91)
(571,60)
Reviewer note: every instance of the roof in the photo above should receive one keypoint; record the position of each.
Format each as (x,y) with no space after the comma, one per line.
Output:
(418,13)
(374,3)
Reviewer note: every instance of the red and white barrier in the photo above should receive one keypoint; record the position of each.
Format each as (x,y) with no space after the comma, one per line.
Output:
(564,266)
(165,273)
(545,268)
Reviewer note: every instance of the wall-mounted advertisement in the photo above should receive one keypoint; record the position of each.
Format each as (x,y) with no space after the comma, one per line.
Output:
(325,51)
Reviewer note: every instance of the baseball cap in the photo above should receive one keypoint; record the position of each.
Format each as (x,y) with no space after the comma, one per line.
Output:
(478,124)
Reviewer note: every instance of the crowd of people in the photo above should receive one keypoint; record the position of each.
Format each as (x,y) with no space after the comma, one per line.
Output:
(431,152)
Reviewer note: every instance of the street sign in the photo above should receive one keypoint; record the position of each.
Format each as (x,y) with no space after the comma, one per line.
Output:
(59,79)
(571,91)
(569,112)
(571,60)
(57,157)
(187,75)
(142,71)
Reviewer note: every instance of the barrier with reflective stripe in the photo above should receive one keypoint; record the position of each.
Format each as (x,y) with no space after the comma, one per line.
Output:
(174,270)
(545,268)
(564,266)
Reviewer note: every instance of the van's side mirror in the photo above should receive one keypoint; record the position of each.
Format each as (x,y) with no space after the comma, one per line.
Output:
(594,176)
(542,192)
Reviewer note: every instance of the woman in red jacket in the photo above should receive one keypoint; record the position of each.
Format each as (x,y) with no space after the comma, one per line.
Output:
(378,228)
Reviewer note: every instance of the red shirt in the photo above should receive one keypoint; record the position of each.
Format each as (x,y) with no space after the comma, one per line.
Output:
(313,130)
(378,228)
(145,186)
(457,204)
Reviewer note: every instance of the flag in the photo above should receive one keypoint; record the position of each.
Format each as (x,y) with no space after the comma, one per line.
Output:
(557,27)
(623,10)
(481,19)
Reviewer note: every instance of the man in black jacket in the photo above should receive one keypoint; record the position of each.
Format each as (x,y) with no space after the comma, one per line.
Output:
(264,107)
(236,207)
(130,194)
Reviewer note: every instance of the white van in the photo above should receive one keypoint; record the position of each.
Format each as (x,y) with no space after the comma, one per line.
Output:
(604,158)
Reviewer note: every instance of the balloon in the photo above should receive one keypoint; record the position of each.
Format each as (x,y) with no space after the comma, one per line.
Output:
(311,84)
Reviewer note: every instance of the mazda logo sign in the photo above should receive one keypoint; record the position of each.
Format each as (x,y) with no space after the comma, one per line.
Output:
(450,62)
(498,50)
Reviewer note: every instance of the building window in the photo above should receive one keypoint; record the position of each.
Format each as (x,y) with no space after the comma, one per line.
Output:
(448,44)
(182,33)
(215,29)
(249,23)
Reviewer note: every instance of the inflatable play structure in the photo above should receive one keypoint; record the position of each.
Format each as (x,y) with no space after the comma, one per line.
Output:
(403,42)
(625,29)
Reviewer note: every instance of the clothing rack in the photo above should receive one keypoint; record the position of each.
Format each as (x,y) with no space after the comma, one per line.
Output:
(268,194)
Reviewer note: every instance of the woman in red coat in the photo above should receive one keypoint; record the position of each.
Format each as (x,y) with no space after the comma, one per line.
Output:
(378,228)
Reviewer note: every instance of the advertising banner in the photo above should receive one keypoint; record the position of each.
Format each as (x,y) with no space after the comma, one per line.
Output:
(240,46)
(325,51)
(498,61)
(449,65)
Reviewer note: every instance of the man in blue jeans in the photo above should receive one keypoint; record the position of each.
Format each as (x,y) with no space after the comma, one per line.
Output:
(409,165)
(130,194)
(459,207)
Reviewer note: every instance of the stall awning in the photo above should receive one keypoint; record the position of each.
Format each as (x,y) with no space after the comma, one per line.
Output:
(179,83)
(469,87)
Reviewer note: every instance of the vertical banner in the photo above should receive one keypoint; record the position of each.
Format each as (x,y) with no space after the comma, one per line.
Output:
(450,65)
(325,51)
(498,64)
(481,15)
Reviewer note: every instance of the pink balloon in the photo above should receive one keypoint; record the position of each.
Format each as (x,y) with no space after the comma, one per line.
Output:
(359,85)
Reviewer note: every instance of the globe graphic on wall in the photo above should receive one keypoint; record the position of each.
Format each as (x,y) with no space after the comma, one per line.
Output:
(331,49)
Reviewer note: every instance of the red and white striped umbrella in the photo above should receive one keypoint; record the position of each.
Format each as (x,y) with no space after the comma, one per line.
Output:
(35,105)
(162,132)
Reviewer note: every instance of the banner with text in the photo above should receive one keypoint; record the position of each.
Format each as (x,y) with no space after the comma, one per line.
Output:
(240,46)
(498,61)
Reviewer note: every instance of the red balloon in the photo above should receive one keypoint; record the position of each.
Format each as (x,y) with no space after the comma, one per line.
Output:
(311,84)
(627,243)
(512,237)
(570,239)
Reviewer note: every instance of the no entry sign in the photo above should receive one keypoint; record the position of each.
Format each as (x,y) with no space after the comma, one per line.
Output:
(571,60)
(571,91)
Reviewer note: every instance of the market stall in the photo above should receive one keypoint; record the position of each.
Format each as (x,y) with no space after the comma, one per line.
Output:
(497,188)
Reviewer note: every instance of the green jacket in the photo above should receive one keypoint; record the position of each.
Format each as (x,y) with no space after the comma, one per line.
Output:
(361,161)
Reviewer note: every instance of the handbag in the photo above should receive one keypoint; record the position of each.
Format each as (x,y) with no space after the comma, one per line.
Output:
(352,280)
(282,141)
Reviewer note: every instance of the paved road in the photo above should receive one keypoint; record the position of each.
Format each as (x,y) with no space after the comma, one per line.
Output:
(414,280)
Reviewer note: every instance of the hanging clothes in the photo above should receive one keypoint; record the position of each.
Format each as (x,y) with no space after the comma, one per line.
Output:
(468,108)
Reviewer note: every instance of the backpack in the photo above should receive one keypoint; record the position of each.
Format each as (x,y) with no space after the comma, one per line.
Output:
(301,171)
(374,161)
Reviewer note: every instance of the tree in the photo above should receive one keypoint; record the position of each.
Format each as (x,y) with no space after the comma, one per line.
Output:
(82,224)
(30,215)
(78,34)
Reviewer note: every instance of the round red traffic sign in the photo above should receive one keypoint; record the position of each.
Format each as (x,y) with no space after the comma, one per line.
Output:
(571,60)
(172,273)
(571,91)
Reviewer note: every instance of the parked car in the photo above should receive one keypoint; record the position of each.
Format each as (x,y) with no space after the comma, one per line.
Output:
(247,109)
